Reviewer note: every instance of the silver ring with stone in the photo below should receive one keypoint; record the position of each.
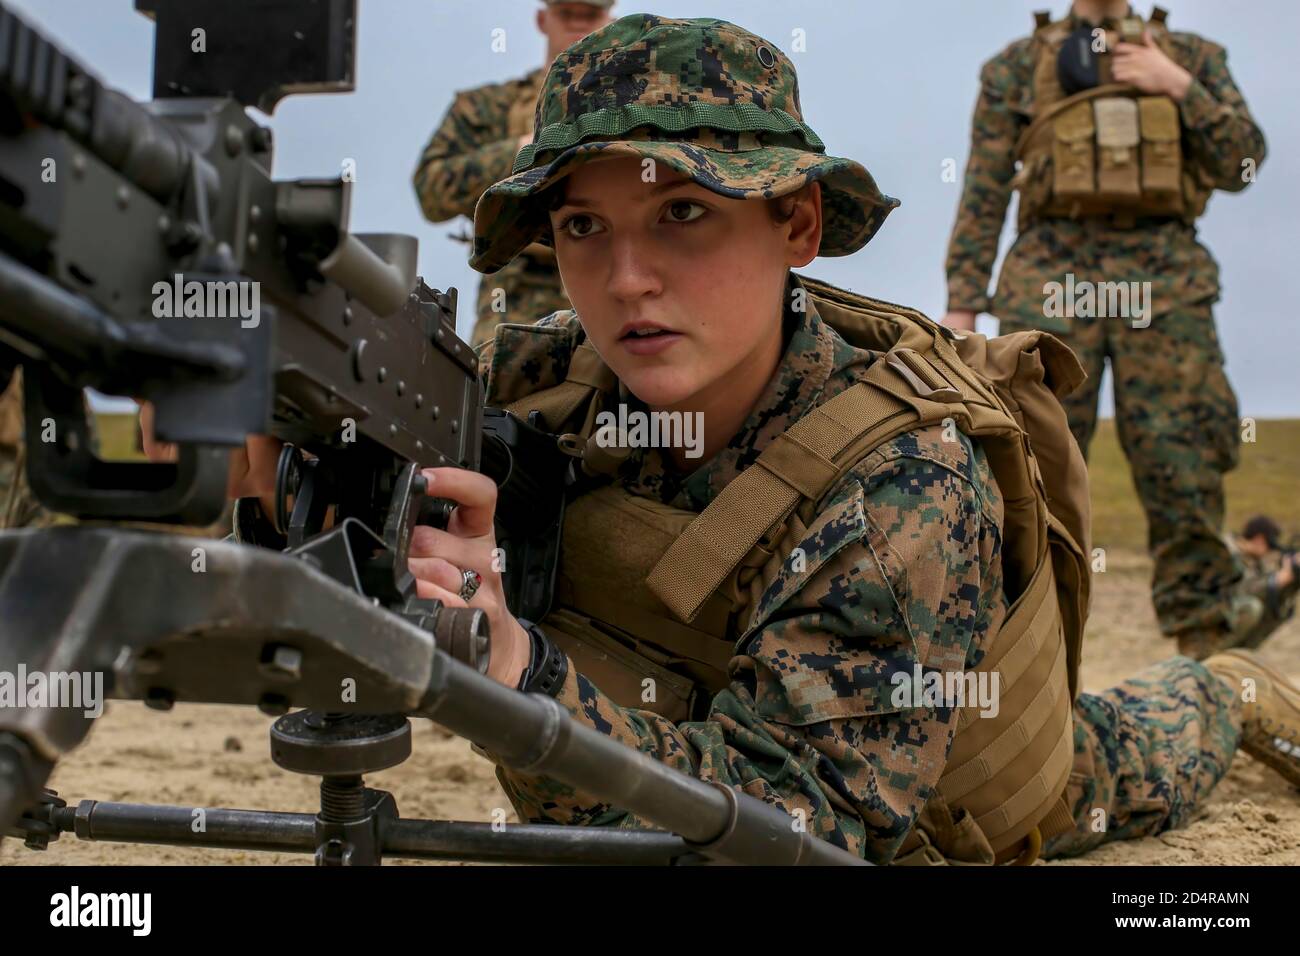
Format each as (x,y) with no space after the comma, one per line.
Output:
(469,585)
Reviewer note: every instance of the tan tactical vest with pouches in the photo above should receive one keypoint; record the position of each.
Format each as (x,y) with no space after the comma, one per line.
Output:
(1109,151)
(652,601)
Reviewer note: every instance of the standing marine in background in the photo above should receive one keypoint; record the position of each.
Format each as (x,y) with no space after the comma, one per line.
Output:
(1115,131)
(475,147)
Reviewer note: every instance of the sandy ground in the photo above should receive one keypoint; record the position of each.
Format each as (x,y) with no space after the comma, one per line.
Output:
(207,756)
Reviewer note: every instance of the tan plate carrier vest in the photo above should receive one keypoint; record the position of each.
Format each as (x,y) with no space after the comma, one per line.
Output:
(649,593)
(1108,151)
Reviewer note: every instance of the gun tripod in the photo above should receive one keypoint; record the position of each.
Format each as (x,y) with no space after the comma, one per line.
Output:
(356,825)
(262,628)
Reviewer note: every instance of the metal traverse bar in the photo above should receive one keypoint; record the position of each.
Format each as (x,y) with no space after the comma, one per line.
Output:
(534,843)
(414,839)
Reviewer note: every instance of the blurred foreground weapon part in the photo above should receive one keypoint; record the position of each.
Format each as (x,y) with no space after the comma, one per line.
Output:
(146,251)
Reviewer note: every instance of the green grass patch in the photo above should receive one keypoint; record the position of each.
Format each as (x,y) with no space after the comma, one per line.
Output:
(1264,483)
(119,436)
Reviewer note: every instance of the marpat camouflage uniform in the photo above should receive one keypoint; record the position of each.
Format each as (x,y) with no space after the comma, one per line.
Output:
(903,565)
(472,149)
(906,569)
(1175,410)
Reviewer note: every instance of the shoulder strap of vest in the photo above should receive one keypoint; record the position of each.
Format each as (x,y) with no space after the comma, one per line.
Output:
(587,378)
(1048,30)
(861,326)
(1157,27)
(902,390)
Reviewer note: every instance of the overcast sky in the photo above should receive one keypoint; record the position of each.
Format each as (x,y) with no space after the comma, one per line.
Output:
(890,83)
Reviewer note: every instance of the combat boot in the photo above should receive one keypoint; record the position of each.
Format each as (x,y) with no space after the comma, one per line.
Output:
(1271,715)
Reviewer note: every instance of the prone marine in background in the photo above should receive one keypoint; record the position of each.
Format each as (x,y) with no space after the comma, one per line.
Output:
(1270,582)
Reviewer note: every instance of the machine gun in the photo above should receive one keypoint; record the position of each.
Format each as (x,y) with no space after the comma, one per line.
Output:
(145,250)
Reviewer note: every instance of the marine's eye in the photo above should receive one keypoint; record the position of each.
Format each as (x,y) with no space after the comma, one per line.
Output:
(580,225)
(683,210)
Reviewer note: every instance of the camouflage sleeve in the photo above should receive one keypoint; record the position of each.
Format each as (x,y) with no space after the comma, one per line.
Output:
(468,153)
(901,569)
(986,191)
(1221,132)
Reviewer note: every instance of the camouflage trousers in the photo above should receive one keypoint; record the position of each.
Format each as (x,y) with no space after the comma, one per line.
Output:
(529,290)
(1178,423)
(1147,753)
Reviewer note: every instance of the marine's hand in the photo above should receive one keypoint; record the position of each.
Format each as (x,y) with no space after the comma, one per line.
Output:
(963,320)
(252,468)
(438,559)
(1147,67)
(154,450)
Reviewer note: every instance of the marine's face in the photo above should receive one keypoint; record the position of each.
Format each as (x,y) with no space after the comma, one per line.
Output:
(679,289)
(1256,546)
(564,24)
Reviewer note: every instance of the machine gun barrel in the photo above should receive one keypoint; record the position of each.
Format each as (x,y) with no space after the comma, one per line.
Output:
(39,79)
(85,335)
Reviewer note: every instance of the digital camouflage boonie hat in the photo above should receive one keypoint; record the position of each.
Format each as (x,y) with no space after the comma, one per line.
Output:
(704,98)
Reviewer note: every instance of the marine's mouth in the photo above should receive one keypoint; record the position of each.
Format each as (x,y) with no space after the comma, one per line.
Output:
(642,329)
(647,333)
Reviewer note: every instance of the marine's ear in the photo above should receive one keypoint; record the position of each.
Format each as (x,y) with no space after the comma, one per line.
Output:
(805,226)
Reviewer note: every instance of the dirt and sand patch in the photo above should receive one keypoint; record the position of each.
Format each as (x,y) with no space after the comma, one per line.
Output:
(210,756)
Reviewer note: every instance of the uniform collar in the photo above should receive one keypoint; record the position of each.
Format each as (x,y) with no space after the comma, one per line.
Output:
(792,391)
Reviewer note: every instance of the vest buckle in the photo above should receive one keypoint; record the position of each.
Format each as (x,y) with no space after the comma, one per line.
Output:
(926,854)
(921,375)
